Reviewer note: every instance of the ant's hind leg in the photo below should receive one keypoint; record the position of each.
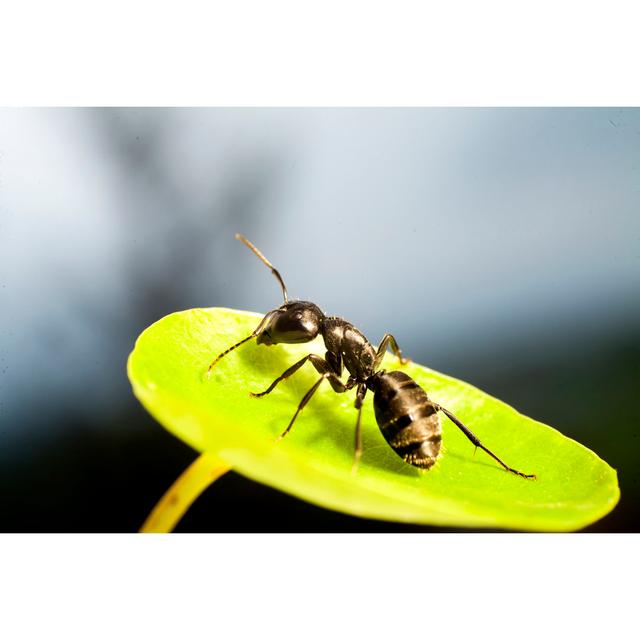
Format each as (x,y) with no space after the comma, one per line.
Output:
(474,439)
(388,341)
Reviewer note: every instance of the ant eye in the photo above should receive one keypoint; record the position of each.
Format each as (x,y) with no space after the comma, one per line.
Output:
(297,315)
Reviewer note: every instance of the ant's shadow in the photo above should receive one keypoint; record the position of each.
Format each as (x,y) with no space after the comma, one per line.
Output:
(473,459)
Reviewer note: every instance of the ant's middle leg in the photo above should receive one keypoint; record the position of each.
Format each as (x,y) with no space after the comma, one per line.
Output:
(321,366)
(388,340)
(360,394)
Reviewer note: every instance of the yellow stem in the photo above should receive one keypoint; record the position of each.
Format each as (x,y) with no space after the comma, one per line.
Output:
(203,471)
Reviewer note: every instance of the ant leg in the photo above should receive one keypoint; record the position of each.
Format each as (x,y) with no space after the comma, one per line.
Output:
(360,394)
(467,432)
(291,370)
(388,340)
(336,383)
(303,402)
(321,366)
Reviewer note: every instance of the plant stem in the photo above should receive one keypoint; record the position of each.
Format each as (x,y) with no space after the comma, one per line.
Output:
(202,472)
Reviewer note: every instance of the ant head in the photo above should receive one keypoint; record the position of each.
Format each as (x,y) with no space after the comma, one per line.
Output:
(291,323)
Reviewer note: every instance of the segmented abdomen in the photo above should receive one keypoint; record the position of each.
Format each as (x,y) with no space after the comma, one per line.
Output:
(407,418)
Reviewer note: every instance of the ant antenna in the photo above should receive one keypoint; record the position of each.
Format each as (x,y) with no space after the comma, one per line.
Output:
(253,334)
(224,353)
(257,251)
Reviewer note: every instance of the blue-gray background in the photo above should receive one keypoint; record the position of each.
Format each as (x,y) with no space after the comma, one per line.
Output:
(501,246)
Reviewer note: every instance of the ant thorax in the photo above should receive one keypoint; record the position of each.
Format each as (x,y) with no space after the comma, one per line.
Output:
(350,347)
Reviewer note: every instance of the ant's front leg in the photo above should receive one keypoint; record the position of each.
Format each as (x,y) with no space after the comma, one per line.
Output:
(388,340)
(321,366)
(337,385)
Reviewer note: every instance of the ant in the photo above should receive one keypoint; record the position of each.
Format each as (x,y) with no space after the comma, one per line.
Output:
(407,418)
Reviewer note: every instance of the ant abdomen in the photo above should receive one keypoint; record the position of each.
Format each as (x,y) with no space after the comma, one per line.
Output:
(408,420)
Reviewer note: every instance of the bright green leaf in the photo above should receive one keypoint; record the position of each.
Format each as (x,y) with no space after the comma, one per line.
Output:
(574,487)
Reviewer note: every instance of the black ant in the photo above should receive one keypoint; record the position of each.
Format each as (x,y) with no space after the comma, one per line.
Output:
(407,418)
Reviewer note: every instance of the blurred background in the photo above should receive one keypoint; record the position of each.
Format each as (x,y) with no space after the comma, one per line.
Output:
(500,246)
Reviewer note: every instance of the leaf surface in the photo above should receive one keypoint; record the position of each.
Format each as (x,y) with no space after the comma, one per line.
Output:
(574,487)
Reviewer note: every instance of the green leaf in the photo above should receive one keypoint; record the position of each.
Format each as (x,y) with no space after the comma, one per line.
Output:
(574,487)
